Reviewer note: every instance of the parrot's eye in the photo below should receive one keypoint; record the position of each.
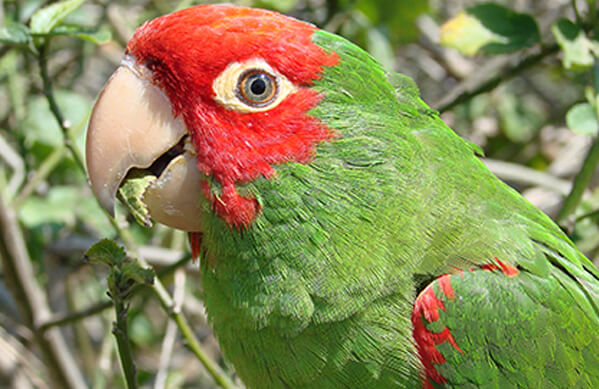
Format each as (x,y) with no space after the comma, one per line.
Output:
(251,86)
(257,88)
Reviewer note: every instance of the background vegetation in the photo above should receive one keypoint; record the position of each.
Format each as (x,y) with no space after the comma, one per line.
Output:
(519,78)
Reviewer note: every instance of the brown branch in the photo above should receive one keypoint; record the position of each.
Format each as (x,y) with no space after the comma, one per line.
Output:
(478,83)
(32,303)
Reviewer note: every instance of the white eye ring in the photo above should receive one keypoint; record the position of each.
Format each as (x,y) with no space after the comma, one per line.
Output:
(228,86)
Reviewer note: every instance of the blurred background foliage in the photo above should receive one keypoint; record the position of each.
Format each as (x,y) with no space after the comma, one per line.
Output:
(517,77)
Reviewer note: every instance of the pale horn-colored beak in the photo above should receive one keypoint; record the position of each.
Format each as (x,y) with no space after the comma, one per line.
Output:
(132,126)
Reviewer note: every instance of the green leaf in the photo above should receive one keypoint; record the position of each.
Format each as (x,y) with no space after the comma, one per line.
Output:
(55,207)
(582,119)
(107,252)
(579,51)
(27,8)
(379,47)
(97,37)
(91,214)
(134,272)
(490,29)
(521,116)
(277,5)
(131,194)
(141,330)
(396,17)
(589,94)
(48,18)
(14,34)
(40,124)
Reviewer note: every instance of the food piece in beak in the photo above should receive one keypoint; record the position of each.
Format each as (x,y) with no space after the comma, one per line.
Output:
(131,194)
(133,127)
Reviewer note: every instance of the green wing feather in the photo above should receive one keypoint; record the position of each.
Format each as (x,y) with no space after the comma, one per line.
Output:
(524,331)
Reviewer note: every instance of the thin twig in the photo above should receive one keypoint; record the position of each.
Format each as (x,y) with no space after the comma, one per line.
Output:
(71,317)
(16,353)
(43,171)
(459,95)
(516,173)
(15,161)
(583,178)
(82,337)
(581,182)
(175,313)
(588,215)
(576,12)
(94,309)
(159,289)
(122,340)
(593,12)
(68,140)
(18,273)
(168,342)
(167,303)
(156,256)
(221,379)
(104,362)
(62,123)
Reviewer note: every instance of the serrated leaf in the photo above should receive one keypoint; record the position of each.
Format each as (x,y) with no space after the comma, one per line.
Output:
(131,194)
(489,29)
(48,18)
(107,252)
(582,119)
(579,51)
(139,275)
(14,34)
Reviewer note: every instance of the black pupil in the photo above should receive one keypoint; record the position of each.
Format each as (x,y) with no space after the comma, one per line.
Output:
(258,84)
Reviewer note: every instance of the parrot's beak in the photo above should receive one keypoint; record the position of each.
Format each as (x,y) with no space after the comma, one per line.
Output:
(132,126)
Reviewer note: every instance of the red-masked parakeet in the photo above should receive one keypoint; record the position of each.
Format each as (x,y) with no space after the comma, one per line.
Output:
(348,238)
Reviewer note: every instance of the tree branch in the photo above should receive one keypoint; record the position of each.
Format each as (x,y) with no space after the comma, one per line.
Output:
(523,175)
(466,91)
(583,178)
(62,123)
(32,304)
(168,342)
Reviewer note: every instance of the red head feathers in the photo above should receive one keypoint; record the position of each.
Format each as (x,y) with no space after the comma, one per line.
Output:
(188,50)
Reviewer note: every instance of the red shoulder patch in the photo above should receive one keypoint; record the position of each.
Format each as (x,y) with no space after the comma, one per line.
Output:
(506,268)
(426,308)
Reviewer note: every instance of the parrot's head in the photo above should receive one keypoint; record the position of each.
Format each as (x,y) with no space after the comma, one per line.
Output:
(206,99)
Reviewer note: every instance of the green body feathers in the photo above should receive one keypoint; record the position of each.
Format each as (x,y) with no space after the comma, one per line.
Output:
(319,291)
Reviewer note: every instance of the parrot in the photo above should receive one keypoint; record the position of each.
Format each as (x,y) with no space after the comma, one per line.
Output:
(347,237)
